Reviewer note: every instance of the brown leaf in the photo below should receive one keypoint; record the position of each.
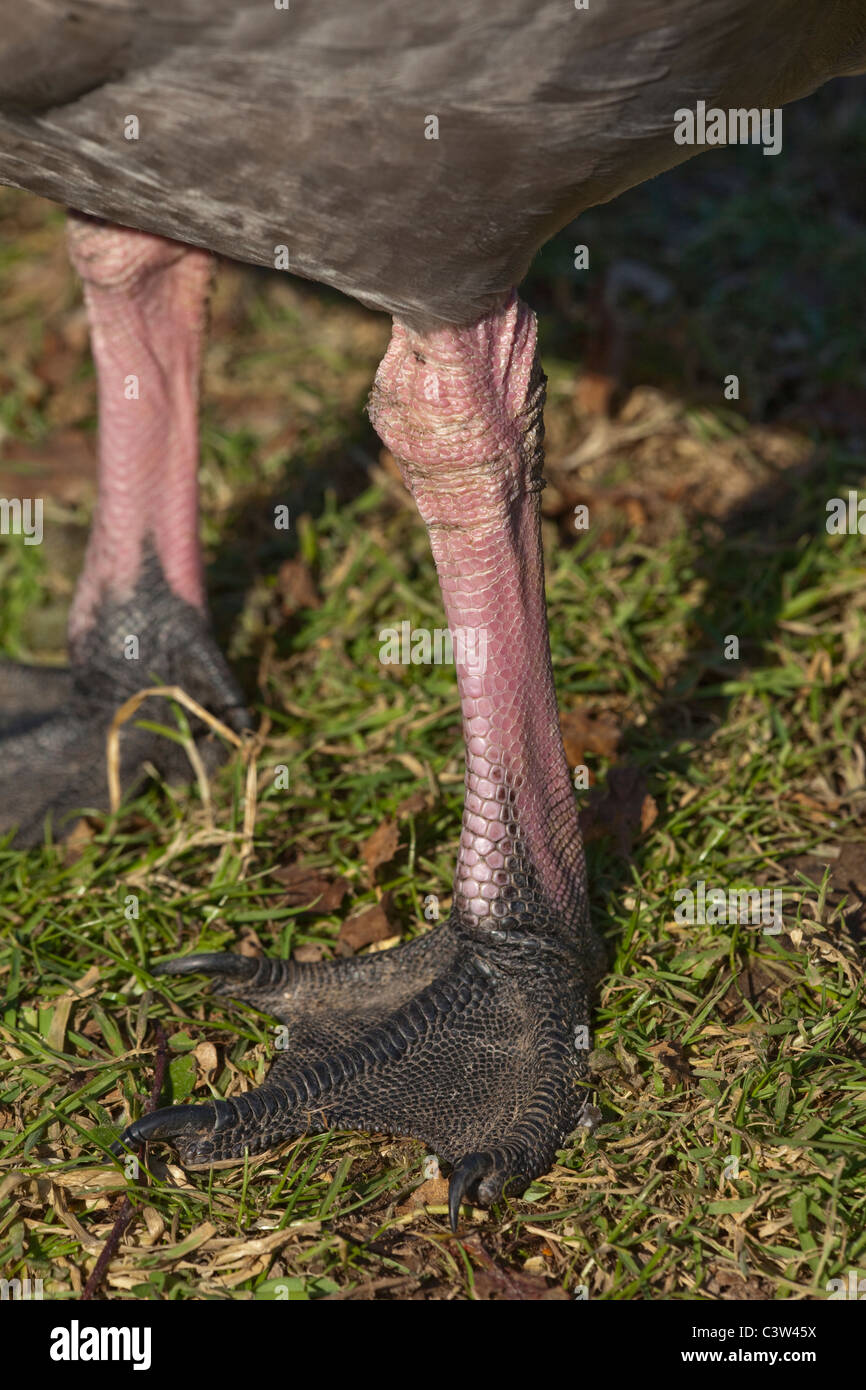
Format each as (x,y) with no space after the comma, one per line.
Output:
(309,953)
(432,1193)
(413,805)
(674,1059)
(250,943)
(648,813)
(497,1281)
(381,846)
(368,926)
(310,888)
(296,586)
(582,734)
(206,1056)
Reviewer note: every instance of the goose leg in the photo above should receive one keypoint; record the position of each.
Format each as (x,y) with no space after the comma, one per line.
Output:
(473,1038)
(139,609)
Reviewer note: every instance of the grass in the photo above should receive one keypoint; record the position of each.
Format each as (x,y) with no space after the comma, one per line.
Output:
(728,1064)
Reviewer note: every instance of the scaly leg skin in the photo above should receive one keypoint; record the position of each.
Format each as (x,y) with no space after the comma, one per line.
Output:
(146,300)
(472,1038)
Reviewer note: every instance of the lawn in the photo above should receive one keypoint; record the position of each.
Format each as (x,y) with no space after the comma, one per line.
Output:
(729,1060)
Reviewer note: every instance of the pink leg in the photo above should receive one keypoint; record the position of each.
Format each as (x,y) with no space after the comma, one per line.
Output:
(146,301)
(461,409)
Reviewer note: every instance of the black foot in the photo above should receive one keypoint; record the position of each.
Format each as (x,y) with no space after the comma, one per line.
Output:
(474,1043)
(53,723)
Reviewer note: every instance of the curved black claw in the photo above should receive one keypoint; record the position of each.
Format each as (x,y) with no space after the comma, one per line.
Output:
(209,963)
(177,1124)
(464,1185)
(482,1178)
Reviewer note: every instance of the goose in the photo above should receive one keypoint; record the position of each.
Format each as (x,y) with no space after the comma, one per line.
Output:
(415,158)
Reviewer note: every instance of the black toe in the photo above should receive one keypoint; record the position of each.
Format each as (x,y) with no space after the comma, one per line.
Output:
(171,1123)
(209,963)
(464,1184)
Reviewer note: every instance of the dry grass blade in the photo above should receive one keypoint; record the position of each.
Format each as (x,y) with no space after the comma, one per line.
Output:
(131,706)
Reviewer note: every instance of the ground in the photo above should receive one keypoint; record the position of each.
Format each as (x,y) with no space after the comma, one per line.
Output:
(728,1063)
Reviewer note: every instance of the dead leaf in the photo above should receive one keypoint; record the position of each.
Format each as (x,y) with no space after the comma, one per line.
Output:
(648,813)
(155,1226)
(250,944)
(432,1193)
(674,1059)
(380,847)
(367,927)
(415,804)
(386,944)
(494,1281)
(308,953)
(206,1056)
(296,587)
(582,734)
(57,1199)
(86,983)
(310,888)
(86,1182)
(60,1011)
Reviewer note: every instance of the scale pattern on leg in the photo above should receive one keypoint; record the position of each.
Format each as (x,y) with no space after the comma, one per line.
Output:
(325,1005)
(483,1063)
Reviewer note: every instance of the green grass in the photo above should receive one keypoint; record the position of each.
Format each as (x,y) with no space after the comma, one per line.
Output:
(728,1065)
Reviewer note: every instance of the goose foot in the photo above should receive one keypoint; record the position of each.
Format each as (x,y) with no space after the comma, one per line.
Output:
(54,723)
(472,1040)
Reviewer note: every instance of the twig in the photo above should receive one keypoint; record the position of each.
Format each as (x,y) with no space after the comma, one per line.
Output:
(128,709)
(127,1210)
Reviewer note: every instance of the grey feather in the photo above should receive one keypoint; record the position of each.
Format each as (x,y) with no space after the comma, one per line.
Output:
(305,127)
